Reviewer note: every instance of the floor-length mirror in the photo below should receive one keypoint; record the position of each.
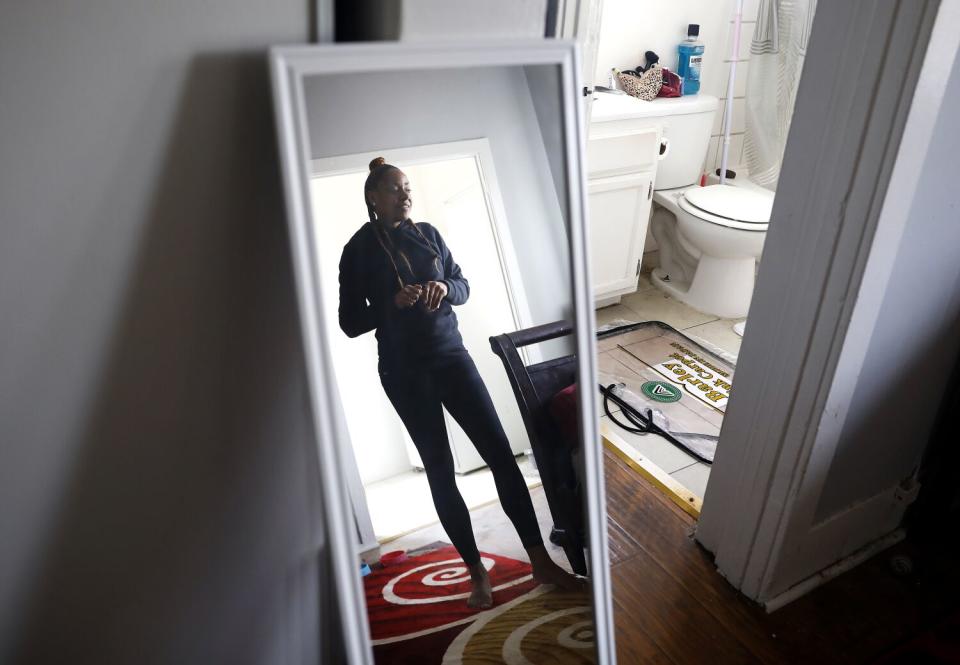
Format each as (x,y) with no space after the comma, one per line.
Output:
(439,216)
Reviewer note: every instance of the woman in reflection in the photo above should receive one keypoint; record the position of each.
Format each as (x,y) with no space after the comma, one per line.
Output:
(399,278)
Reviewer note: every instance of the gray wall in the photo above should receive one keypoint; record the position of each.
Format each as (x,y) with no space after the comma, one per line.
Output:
(157,496)
(545,92)
(917,338)
(347,116)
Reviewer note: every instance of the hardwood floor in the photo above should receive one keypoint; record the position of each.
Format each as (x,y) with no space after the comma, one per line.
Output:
(671,606)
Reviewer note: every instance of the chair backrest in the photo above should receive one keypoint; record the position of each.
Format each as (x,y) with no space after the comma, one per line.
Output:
(535,385)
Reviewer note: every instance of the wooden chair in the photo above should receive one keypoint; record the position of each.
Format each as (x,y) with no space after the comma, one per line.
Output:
(534,386)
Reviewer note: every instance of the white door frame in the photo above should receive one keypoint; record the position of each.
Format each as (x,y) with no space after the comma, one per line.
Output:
(833,232)
(580,20)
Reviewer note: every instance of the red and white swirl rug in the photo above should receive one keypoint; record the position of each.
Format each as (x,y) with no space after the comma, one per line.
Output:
(418,614)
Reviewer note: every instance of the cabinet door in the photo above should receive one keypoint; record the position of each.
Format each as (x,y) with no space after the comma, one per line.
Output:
(619,214)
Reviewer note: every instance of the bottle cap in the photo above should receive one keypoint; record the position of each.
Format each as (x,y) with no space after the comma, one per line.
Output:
(693,30)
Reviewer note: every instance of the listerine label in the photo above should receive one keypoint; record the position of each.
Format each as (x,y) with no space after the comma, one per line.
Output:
(694,67)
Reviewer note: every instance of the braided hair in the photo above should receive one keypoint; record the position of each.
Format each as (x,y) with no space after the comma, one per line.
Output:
(378,169)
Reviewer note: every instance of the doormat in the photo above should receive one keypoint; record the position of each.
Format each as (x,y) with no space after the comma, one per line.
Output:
(418,614)
(669,373)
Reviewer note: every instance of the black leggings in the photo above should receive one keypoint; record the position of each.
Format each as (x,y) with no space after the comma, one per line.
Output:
(417,394)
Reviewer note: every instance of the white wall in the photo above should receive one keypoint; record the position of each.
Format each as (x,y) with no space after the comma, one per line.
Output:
(629,28)
(158,495)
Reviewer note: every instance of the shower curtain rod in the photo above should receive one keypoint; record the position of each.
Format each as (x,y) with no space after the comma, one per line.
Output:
(728,113)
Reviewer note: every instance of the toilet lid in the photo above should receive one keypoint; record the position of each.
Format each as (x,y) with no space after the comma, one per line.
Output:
(738,207)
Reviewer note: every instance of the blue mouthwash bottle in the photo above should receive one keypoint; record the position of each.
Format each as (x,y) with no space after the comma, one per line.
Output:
(691,55)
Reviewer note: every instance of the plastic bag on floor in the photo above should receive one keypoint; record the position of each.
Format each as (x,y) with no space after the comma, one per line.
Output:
(702,445)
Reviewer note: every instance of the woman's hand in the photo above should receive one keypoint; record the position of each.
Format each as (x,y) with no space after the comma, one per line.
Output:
(407,296)
(433,293)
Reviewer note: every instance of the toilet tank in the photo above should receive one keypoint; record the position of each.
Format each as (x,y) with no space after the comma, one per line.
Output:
(685,122)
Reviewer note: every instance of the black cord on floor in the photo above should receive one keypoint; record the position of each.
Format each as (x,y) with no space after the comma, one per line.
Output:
(642,424)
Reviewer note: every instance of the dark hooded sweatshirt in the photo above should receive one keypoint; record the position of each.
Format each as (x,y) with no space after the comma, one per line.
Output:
(369,271)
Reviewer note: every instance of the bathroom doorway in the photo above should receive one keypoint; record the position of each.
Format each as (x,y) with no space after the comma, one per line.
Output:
(784,502)
(700,241)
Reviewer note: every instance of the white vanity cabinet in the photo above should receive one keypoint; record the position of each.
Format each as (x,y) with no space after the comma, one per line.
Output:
(621,169)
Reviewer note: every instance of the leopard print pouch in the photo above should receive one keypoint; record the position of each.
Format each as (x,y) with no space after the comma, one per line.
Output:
(646,86)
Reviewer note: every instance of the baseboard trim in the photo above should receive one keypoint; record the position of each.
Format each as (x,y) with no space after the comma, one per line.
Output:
(843,565)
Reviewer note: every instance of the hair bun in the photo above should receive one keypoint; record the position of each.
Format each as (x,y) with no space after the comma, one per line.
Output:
(377,162)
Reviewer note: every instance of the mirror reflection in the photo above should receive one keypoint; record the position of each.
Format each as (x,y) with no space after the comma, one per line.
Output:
(444,253)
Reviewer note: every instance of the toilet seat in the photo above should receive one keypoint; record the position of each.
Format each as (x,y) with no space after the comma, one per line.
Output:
(726,205)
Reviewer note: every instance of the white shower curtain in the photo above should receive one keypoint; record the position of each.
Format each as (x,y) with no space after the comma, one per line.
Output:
(777,52)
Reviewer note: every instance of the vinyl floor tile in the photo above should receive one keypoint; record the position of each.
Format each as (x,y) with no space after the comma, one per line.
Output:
(694,477)
(719,333)
(654,305)
(656,449)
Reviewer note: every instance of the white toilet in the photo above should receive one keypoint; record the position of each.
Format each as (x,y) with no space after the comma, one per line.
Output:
(709,238)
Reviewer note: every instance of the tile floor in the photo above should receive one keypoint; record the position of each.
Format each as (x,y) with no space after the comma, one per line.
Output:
(651,304)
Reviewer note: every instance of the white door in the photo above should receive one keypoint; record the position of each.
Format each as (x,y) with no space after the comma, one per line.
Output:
(376,434)
(619,208)
(837,384)
(463,218)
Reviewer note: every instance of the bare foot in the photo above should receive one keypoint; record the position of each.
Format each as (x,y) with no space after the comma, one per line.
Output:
(481,596)
(546,571)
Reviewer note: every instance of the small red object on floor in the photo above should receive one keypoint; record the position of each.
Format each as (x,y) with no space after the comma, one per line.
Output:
(394,557)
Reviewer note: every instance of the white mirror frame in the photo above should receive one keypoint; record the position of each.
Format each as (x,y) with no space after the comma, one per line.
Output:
(289,65)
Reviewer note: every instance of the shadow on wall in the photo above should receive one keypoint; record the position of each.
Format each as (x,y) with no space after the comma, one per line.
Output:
(190,528)
(895,410)
(888,428)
